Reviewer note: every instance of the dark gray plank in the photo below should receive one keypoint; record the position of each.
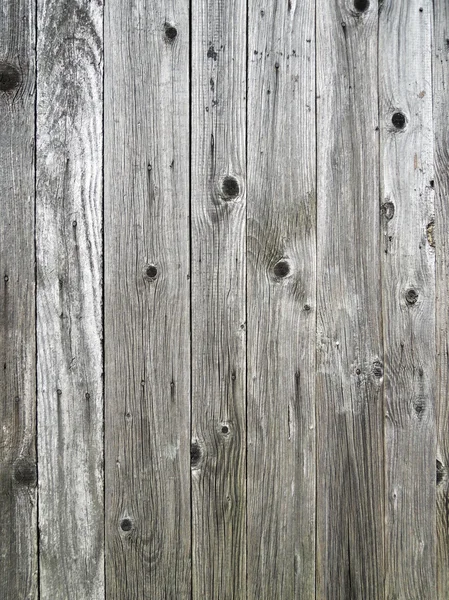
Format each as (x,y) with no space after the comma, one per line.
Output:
(69,293)
(147,347)
(408,296)
(218,299)
(18,526)
(281,300)
(437,231)
(350,488)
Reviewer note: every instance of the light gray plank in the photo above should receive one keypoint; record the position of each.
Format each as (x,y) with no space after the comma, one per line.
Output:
(147,347)
(281,300)
(18,528)
(437,232)
(218,299)
(408,296)
(350,489)
(69,292)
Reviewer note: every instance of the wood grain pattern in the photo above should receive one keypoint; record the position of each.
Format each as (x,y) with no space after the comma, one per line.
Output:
(18,525)
(350,504)
(408,292)
(281,300)
(437,237)
(147,347)
(218,188)
(69,295)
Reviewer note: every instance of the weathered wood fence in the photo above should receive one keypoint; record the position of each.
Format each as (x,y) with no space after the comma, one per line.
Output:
(224,306)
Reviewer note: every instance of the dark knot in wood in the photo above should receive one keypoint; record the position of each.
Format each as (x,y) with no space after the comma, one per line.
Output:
(9,77)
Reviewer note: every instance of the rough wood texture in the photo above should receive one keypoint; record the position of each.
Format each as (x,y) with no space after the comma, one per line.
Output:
(281,300)
(408,297)
(18,528)
(437,237)
(147,348)
(218,299)
(349,358)
(69,292)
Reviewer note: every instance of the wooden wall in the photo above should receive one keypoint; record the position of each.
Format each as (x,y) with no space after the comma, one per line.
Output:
(224,300)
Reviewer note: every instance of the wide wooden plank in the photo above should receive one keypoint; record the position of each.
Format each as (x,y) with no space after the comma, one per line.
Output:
(147,347)
(69,298)
(350,489)
(408,296)
(437,230)
(18,528)
(281,300)
(218,188)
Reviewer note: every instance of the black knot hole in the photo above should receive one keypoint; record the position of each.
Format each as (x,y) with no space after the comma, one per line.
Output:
(126,524)
(170,32)
(151,271)
(225,429)
(411,296)
(399,120)
(361,5)
(9,77)
(195,454)
(25,471)
(230,187)
(282,268)
(440,472)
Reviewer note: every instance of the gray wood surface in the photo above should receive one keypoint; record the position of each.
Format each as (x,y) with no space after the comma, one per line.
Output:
(350,477)
(147,347)
(408,295)
(18,525)
(281,300)
(224,305)
(69,299)
(218,205)
(439,231)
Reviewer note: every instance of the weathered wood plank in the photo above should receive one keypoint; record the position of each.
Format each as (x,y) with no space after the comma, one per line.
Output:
(408,296)
(281,300)
(18,528)
(147,347)
(69,293)
(437,232)
(350,488)
(218,299)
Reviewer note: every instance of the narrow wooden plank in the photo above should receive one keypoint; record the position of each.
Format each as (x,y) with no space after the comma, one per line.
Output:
(218,188)
(18,528)
(147,347)
(437,237)
(350,479)
(281,299)
(69,293)
(408,296)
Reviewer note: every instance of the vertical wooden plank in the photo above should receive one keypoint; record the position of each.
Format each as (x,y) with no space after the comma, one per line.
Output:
(350,479)
(18,528)
(281,299)
(437,238)
(218,188)
(69,292)
(408,296)
(147,347)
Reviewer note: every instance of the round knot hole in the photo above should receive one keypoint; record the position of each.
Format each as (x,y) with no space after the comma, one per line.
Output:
(281,268)
(9,77)
(225,429)
(398,119)
(151,271)
(230,187)
(411,296)
(25,471)
(126,524)
(361,5)
(170,32)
